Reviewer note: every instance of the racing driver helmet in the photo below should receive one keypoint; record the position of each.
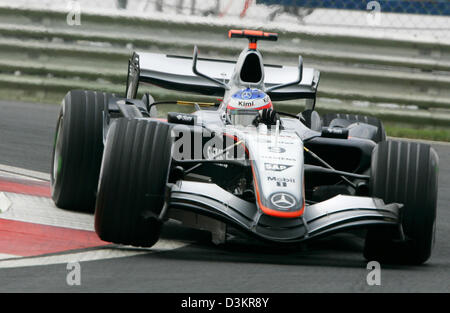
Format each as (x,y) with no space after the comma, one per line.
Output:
(245,104)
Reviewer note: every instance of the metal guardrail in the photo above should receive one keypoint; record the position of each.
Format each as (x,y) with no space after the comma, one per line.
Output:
(40,54)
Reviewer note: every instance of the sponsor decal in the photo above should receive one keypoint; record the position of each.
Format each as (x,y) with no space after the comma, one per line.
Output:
(278,158)
(285,142)
(183,117)
(283,200)
(280,179)
(277,149)
(246,104)
(275,167)
(249,99)
(335,130)
(246,94)
(281,182)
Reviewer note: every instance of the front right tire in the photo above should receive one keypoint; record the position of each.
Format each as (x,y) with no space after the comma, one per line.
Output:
(406,173)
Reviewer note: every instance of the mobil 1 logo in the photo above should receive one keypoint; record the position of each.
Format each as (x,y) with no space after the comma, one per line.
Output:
(281,181)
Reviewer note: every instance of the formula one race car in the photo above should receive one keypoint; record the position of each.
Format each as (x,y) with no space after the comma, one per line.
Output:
(239,166)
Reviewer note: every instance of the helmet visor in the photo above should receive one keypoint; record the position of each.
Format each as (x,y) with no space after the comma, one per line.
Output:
(243,117)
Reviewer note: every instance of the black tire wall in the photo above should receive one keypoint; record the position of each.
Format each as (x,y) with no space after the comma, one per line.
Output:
(74,185)
(132,183)
(405,172)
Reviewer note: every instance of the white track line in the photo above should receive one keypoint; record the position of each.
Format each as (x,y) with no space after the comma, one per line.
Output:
(24,172)
(5,203)
(92,255)
(4,256)
(40,210)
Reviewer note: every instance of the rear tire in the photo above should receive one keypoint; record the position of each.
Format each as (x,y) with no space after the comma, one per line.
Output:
(312,120)
(133,181)
(404,172)
(77,150)
(381,132)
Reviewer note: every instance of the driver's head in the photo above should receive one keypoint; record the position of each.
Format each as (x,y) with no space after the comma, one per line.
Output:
(249,99)
(245,104)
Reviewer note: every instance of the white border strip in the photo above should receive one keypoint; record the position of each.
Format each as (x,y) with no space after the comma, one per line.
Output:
(24,172)
(92,255)
(103,254)
(4,256)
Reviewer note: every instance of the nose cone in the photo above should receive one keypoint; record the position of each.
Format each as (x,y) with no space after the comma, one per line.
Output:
(277,167)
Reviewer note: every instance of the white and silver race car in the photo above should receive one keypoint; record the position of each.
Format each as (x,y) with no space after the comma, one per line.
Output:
(240,166)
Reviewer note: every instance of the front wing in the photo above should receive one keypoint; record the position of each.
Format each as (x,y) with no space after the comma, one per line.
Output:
(339,213)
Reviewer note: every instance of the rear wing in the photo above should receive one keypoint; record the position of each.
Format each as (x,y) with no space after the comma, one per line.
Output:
(175,73)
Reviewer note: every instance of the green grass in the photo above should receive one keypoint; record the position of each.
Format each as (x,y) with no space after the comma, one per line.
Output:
(435,134)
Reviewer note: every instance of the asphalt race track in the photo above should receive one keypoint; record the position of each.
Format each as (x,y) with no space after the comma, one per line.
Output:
(191,263)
